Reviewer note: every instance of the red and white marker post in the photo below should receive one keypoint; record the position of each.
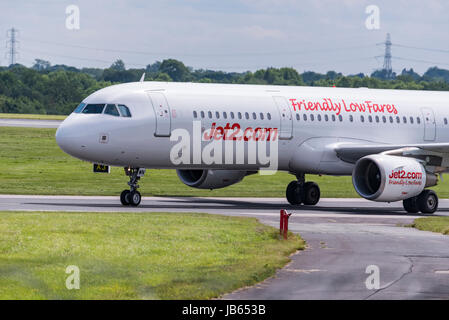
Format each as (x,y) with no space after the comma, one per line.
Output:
(283,227)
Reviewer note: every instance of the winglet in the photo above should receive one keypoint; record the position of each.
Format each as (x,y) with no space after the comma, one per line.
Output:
(142,78)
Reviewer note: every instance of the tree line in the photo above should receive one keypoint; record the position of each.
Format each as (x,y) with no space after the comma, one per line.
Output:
(47,89)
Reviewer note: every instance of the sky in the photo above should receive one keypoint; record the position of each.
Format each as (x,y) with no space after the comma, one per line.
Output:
(231,35)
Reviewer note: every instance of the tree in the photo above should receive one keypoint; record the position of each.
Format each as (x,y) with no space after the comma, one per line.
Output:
(41,65)
(118,65)
(436,74)
(163,77)
(383,74)
(175,69)
(153,68)
(409,75)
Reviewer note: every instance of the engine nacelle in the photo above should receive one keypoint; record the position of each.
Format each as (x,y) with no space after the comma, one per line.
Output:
(390,178)
(211,179)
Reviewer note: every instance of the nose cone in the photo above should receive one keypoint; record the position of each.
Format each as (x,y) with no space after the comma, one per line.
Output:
(71,137)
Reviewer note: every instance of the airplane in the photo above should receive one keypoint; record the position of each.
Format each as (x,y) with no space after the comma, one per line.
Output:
(394,143)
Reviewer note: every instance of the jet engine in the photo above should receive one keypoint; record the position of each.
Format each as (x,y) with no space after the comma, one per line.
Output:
(211,179)
(390,178)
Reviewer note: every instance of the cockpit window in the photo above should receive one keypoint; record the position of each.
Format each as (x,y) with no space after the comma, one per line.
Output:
(124,111)
(79,108)
(112,110)
(93,108)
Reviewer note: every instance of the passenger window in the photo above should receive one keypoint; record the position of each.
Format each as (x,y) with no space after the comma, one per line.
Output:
(411,120)
(418,120)
(112,110)
(362,118)
(124,111)
(297,116)
(79,108)
(261,116)
(93,108)
(319,117)
(340,117)
(202,114)
(351,118)
(312,117)
(384,119)
(398,119)
(209,113)
(326,117)
(445,121)
(370,118)
(195,115)
(217,115)
(404,119)
(240,115)
(333,117)
(377,118)
(254,116)
(225,116)
(269,116)
(246,115)
(232,115)
(304,116)
(391,119)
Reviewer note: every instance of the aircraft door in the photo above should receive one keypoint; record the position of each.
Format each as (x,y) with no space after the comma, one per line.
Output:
(429,124)
(162,113)
(286,118)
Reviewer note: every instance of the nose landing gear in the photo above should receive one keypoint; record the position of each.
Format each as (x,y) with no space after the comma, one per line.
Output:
(132,197)
(299,192)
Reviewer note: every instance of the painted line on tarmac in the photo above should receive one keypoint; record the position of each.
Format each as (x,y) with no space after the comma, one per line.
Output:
(211,211)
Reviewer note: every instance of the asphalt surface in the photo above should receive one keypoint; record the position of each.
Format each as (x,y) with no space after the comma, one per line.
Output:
(30,123)
(344,237)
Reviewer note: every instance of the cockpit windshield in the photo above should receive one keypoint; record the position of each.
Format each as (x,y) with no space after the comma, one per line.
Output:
(124,111)
(110,109)
(93,108)
(79,108)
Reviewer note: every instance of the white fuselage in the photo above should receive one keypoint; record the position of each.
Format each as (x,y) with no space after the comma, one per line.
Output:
(305,119)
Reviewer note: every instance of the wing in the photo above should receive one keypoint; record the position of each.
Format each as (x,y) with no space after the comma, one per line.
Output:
(434,154)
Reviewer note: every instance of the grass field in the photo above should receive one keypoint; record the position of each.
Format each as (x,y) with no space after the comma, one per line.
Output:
(31,116)
(135,255)
(32,163)
(434,224)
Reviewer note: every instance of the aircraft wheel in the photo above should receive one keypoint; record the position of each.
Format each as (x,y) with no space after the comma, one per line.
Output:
(311,193)
(134,198)
(428,201)
(294,193)
(411,205)
(124,197)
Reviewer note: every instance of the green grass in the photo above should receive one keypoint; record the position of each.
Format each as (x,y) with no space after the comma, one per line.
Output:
(135,255)
(31,116)
(434,224)
(32,163)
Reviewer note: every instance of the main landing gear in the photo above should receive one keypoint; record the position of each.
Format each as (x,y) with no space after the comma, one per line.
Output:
(426,202)
(299,192)
(132,197)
